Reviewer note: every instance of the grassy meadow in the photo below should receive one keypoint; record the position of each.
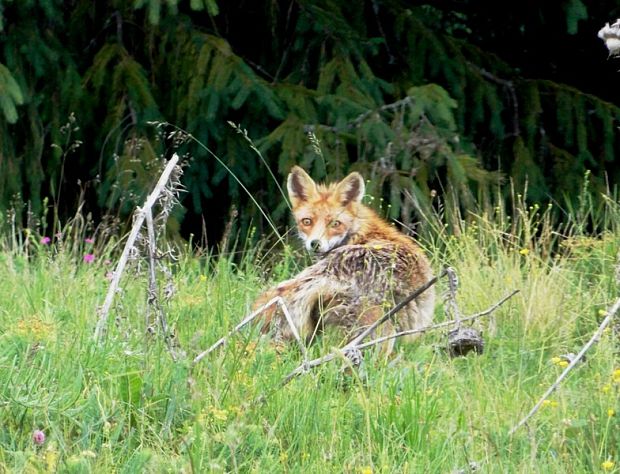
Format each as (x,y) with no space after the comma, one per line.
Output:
(70,405)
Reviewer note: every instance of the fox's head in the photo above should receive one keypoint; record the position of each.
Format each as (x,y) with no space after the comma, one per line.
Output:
(327,216)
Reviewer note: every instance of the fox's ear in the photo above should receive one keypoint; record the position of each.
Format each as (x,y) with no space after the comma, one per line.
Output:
(300,186)
(351,189)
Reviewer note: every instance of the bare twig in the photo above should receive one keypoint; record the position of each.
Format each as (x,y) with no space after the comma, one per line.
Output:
(303,368)
(152,290)
(291,324)
(452,308)
(139,217)
(608,319)
(453,322)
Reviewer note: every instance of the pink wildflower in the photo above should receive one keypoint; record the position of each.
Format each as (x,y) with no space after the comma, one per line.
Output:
(89,240)
(46,240)
(38,437)
(89,258)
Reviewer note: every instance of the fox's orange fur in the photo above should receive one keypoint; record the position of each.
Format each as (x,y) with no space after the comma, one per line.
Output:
(366,265)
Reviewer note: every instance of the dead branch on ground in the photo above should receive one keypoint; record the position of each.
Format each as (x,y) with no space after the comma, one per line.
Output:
(608,319)
(357,344)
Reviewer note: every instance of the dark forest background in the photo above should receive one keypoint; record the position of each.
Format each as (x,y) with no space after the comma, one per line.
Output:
(459,98)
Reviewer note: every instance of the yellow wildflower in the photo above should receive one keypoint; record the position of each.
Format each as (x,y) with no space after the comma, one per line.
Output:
(366,470)
(250,348)
(203,277)
(35,328)
(560,361)
(549,403)
(602,312)
(608,465)
(611,412)
(218,414)
(524,251)
(606,388)
(616,376)
(51,459)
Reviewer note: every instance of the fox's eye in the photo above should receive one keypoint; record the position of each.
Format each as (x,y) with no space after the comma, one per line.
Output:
(334,224)
(306,221)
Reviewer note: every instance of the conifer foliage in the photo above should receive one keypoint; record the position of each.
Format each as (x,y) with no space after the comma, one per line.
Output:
(410,94)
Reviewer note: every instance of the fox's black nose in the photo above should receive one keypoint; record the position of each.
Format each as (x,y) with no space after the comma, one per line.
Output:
(315,245)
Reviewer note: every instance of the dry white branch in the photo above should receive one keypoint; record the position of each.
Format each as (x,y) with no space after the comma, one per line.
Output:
(291,323)
(249,318)
(139,217)
(608,319)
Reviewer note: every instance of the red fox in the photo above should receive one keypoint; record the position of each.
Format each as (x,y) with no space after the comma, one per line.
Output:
(365,265)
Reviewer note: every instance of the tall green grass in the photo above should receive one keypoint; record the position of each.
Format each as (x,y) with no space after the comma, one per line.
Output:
(126,406)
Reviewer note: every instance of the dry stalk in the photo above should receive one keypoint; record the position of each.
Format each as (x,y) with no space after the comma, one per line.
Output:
(608,319)
(139,217)
(452,308)
(152,296)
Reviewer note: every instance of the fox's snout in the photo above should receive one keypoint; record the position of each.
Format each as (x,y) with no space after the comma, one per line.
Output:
(322,246)
(315,245)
